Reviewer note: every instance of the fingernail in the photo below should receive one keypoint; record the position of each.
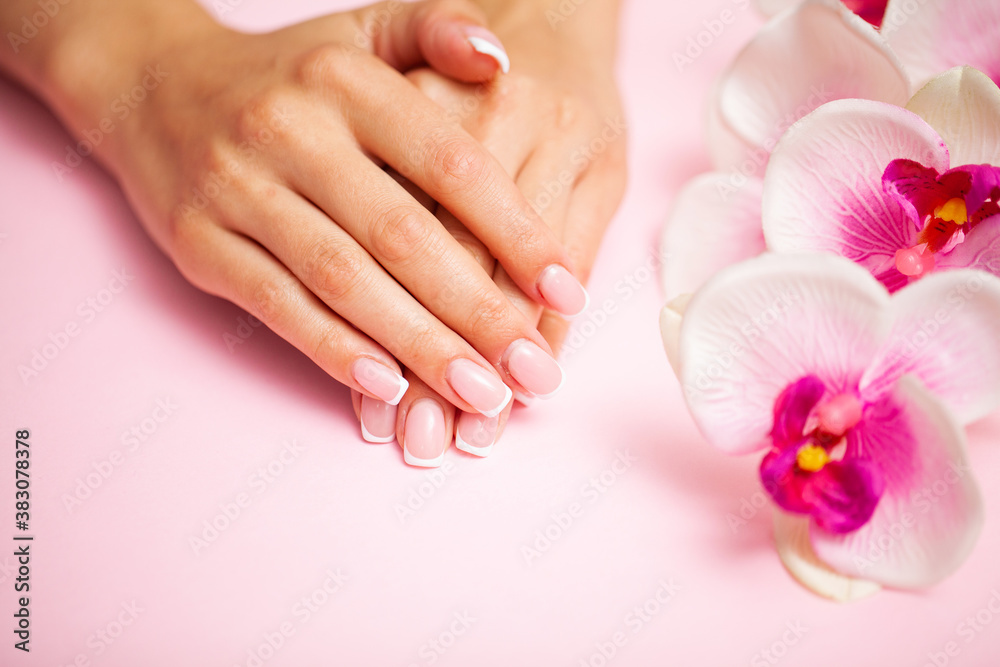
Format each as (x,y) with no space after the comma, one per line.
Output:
(475,433)
(524,399)
(378,420)
(423,434)
(485,42)
(380,380)
(533,368)
(478,387)
(563,291)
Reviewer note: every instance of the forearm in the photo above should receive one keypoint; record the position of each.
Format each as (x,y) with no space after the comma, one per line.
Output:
(80,55)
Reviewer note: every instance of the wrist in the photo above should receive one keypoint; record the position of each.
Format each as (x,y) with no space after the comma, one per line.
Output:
(94,60)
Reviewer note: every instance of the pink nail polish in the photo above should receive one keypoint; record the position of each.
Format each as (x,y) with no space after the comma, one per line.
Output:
(380,380)
(423,434)
(485,42)
(478,387)
(563,291)
(475,433)
(378,420)
(533,368)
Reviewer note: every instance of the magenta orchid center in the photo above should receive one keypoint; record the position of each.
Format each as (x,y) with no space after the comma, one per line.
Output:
(943,208)
(872,11)
(815,466)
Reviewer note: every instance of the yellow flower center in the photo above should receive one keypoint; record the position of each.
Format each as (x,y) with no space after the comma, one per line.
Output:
(812,458)
(953,211)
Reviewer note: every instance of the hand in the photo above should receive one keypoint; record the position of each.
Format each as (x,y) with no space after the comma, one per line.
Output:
(257,166)
(558,126)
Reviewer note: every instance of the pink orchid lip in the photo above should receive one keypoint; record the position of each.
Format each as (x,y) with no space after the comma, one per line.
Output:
(802,473)
(943,208)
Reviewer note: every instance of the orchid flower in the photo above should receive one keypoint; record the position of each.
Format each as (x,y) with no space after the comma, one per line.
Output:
(817,51)
(878,185)
(902,192)
(856,399)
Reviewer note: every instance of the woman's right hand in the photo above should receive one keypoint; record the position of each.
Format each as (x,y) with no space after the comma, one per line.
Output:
(257,165)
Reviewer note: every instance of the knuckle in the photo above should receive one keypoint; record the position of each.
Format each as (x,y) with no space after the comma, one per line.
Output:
(523,238)
(571,113)
(420,343)
(325,65)
(489,317)
(265,116)
(269,298)
(455,164)
(329,345)
(335,271)
(402,234)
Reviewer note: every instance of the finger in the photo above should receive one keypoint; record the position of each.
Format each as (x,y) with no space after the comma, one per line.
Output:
(424,425)
(331,264)
(474,433)
(231,266)
(428,263)
(449,35)
(592,205)
(412,134)
(377,418)
(554,328)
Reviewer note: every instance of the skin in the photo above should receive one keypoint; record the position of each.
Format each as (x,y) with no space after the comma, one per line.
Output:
(300,175)
(556,113)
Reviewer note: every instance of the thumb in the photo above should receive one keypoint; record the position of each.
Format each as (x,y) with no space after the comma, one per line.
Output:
(448,35)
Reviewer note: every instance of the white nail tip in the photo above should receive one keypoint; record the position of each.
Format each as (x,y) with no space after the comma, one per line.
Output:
(422,463)
(375,439)
(506,399)
(472,449)
(524,399)
(492,50)
(403,386)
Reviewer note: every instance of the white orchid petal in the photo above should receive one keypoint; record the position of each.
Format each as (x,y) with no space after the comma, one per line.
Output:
(773,7)
(791,537)
(715,222)
(926,523)
(823,189)
(728,150)
(963,105)
(931,36)
(760,325)
(671,318)
(818,52)
(946,331)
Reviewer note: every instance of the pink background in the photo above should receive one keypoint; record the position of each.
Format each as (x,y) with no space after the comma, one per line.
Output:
(334,504)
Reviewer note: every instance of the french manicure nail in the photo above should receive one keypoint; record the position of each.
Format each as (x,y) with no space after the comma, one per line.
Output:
(475,433)
(485,42)
(423,434)
(478,387)
(378,420)
(533,368)
(524,399)
(563,291)
(380,380)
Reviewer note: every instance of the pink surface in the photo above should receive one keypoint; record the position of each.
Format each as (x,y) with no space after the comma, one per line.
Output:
(635,503)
